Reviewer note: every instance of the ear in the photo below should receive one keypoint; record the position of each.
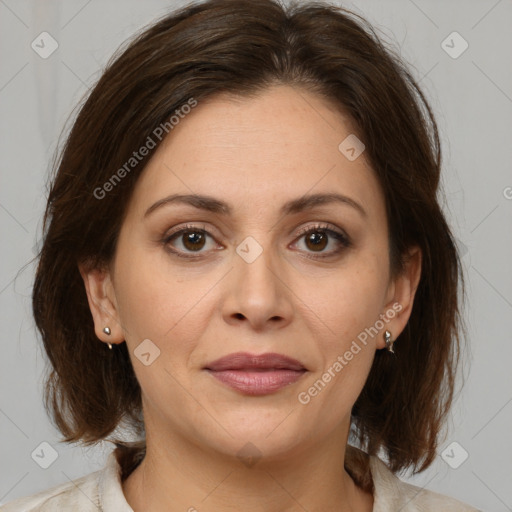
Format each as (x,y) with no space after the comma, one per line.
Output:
(401,294)
(102,303)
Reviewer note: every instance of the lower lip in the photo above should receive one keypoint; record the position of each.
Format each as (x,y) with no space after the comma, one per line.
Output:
(257,382)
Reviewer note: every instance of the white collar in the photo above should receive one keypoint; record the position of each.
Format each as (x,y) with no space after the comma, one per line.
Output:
(390,493)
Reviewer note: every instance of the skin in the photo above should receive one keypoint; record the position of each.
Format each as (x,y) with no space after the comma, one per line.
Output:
(255,154)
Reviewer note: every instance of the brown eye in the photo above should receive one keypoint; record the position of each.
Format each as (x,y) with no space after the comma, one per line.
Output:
(194,240)
(316,240)
(189,240)
(322,240)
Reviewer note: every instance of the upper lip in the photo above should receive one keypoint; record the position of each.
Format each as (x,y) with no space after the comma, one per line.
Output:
(246,361)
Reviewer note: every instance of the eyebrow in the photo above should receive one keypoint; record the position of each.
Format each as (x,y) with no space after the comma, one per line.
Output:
(213,205)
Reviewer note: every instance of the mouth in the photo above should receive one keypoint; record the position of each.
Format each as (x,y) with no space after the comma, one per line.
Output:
(256,374)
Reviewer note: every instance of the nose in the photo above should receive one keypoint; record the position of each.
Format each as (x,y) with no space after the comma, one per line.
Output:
(257,294)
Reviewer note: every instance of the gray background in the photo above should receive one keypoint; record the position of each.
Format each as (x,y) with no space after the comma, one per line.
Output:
(472,98)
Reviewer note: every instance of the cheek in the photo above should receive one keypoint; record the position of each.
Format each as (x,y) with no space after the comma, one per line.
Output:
(168,307)
(347,308)
(161,306)
(151,300)
(349,300)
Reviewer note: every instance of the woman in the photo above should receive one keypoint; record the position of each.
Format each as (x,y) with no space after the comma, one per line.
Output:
(244,263)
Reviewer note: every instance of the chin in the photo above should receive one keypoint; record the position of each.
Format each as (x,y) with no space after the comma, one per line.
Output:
(269,435)
(250,448)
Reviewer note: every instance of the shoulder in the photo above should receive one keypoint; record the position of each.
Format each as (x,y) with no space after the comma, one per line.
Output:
(80,494)
(100,490)
(391,493)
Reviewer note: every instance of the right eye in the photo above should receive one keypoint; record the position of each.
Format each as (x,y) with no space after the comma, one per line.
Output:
(190,239)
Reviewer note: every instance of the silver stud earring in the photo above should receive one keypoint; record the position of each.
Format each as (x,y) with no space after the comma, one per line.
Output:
(107,331)
(389,341)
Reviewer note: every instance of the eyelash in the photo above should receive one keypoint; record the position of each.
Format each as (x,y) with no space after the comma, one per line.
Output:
(340,237)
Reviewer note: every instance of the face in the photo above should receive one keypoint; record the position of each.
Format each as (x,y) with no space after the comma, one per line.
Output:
(254,266)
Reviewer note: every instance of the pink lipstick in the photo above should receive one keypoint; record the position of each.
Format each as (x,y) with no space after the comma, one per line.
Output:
(256,374)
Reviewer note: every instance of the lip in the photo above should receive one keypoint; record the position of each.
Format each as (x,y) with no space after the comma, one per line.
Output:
(246,361)
(256,374)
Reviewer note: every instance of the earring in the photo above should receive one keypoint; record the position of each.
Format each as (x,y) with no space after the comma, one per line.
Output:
(389,341)
(107,331)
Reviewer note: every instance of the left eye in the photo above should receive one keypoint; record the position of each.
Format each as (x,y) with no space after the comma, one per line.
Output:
(316,239)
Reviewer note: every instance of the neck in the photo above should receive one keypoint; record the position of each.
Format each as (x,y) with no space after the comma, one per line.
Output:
(177,475)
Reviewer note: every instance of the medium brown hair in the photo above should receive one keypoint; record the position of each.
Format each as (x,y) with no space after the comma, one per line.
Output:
(243,47)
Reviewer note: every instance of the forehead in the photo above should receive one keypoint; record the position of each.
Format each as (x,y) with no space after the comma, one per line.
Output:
(259,152)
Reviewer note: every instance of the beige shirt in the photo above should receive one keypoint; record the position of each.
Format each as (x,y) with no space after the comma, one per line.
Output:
(101,491)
